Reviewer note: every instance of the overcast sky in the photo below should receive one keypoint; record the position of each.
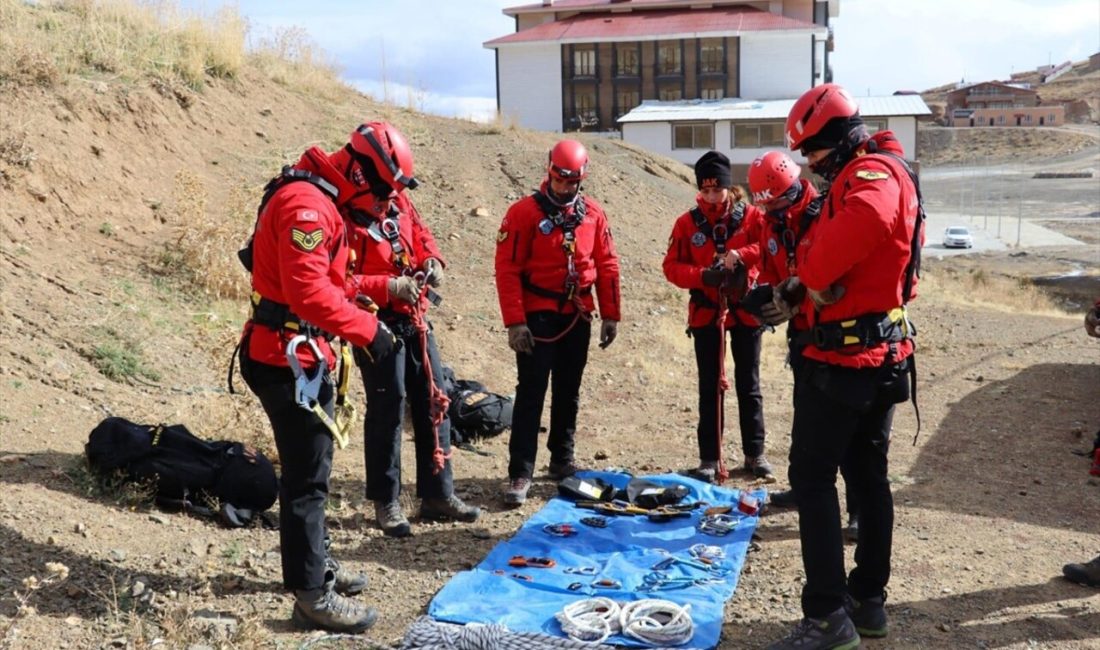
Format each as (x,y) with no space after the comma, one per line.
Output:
(430,51)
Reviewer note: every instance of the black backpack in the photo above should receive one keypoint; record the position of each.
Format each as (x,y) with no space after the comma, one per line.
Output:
(475,412)
(186,469)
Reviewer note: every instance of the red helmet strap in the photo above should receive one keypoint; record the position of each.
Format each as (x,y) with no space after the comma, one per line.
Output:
(398,175)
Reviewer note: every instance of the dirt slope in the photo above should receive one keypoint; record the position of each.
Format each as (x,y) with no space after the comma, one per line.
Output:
(96,174)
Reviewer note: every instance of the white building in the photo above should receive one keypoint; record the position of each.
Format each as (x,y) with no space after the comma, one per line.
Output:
(582,64)
(744,129)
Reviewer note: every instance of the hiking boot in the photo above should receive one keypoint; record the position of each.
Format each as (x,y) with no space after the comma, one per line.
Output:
(705,472)
(1087,574)
(391,519)
(346,582)
(760,468)
(516,493)
(782,499)
(834,632)
(324,609)
(851,531)
(451,508)
(559,471)
(868,615)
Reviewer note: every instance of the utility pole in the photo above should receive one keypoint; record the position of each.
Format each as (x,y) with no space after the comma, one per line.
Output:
(1019,215)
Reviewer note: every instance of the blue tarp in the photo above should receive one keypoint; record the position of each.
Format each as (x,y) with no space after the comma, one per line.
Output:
(625,551)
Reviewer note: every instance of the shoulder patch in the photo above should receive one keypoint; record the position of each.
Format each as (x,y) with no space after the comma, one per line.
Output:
(501,236)
(870,175)
(307,241)
(307,215)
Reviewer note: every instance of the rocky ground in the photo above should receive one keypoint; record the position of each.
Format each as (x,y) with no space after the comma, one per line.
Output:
(106,186)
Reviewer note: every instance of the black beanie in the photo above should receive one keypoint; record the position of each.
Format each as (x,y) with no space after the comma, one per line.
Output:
(713,170)
(833,134)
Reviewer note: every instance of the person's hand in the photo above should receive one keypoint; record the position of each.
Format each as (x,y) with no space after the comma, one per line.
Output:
(608,330)
(826,296)
(433,272)
(717,277)
(1092,322)
(363,301)
(520,338)
(382,345)
(732,259)
(778,310)
(404,288)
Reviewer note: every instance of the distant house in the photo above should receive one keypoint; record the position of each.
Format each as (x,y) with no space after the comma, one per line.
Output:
(993,103)
(575,65)
(744,129)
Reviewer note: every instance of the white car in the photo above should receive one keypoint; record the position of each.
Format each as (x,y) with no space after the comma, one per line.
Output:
(957,237)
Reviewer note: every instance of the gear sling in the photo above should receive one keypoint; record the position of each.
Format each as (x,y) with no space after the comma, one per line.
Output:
(278,316)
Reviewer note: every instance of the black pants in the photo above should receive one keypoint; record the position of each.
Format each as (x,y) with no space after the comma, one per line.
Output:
(745,346)
(796,362)
(560,365)
(387,385)
(305,454)
(843,416)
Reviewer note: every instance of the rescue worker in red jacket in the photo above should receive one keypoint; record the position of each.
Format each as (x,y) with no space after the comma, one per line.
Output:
(788,202)
(857,264)
(721,221)
(397,263)
(554,249)
(299,263)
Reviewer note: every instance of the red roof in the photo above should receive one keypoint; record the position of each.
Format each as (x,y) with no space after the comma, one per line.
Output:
(581,5)
(639,24)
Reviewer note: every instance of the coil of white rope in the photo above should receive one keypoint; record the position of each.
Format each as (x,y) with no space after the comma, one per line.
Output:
(657,622)
(591,620)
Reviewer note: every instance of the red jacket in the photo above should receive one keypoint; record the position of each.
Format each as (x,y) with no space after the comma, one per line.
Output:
(300,259)
(780,231)
(861,242)
(524,253)
(374,265)
(690,252)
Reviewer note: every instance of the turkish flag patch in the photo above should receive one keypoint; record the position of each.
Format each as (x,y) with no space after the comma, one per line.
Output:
(307,241)
(307,215)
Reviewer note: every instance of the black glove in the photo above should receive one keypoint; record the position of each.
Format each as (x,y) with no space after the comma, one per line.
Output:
(716,277)
(382,345)
(756,298)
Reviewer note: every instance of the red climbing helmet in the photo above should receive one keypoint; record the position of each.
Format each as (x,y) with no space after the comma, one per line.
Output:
(384,156)
(771,176)
(568,161)
(814,110)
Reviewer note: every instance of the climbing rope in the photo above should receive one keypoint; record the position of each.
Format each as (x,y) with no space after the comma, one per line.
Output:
(429,634)
(657,622)
(438,402)
(591,619)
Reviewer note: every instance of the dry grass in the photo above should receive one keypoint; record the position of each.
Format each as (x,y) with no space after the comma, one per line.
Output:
(46,42)
(980,288)
(118,39)
(199,253)
(290,58)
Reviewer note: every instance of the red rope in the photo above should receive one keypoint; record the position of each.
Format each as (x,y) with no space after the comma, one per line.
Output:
(437,399)
(580,313)
(722,473)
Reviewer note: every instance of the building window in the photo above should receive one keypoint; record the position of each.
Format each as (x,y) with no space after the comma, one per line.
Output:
(757,135)
(1000,119)
(669,94)
(626,60)
(711,93)
(584,62)
(1050,118)
(874,126)
(584,106)
(1027,118)
(693,136)
(625,99)
(712,56)
(668,58)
